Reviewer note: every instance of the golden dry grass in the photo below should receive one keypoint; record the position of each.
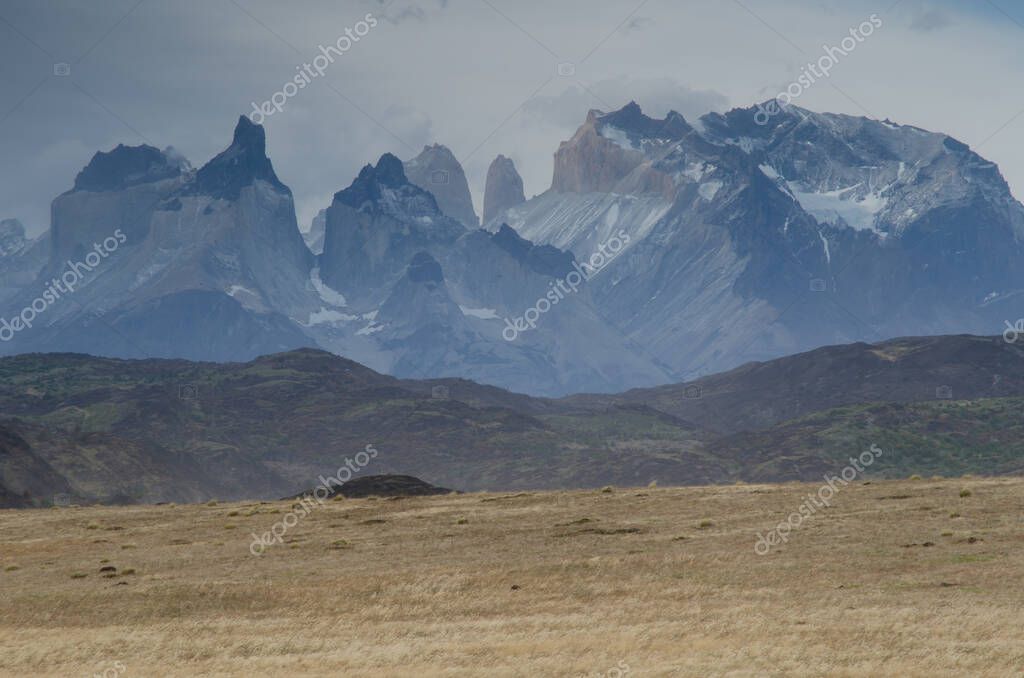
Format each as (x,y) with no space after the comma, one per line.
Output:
(425,587)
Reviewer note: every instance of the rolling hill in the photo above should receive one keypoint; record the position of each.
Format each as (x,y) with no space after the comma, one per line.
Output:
(90,429)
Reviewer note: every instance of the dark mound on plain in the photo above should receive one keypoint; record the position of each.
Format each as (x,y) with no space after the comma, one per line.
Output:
(389,486)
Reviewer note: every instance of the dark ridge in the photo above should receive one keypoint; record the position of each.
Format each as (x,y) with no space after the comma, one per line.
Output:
(123,167)
(544,259)
(631,119)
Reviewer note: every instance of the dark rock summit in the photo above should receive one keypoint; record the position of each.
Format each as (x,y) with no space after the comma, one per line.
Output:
(238,166)
(368,187)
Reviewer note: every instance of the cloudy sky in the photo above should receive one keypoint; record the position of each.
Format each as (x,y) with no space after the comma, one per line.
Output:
(480,76)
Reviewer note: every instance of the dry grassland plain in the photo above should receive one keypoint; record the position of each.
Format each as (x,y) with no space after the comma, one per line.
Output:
(897,578)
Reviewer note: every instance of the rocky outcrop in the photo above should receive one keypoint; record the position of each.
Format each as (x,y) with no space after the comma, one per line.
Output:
(504,188)
(436,170)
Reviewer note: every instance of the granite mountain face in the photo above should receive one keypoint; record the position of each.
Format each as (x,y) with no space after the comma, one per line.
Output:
(740,241)
(752,241)
(418,294)
(195,263)
(503,190)
(437,171)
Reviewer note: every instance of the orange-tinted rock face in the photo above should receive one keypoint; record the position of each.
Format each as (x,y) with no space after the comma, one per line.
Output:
(590,162)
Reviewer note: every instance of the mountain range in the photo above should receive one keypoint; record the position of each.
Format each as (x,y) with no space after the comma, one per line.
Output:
(664,250)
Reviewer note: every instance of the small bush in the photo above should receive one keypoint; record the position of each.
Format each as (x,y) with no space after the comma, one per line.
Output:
(705,524)
(11,568)
(607,489)
(965,493)
(79,575)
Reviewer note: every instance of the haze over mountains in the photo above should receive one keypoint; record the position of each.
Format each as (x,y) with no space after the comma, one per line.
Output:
(741,242)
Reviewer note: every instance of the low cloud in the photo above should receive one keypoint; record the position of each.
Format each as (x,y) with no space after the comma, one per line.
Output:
(656,96)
